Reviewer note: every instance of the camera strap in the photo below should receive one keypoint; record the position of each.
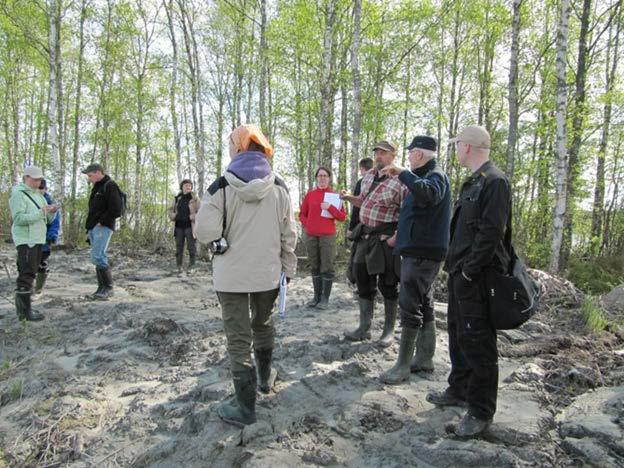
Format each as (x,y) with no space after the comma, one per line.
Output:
(224,215)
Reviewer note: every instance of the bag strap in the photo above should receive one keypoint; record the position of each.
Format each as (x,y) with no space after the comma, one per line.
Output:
(31,199)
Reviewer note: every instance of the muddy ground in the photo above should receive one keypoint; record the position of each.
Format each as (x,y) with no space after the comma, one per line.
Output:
(133,381)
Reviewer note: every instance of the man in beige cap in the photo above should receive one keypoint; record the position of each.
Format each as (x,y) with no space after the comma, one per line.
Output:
(374,265)
(31,214)
(478,227)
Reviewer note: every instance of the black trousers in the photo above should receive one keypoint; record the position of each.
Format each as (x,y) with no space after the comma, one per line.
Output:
(367,284)
(472,347)
(28,259)
(182,234)
(416,297)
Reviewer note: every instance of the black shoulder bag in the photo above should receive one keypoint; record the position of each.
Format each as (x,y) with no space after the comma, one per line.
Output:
(513,296)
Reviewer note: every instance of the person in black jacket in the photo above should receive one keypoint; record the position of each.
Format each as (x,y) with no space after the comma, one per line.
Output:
(421,240)
(365,165)
(105,206)
(477,234)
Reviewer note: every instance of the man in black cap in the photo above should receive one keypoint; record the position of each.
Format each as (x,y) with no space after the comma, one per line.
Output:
(105,206)
(422,240)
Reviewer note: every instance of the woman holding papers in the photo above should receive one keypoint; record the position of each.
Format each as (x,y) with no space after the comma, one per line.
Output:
(319,211)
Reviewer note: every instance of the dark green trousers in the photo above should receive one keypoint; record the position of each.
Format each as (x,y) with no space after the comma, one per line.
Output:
(247,320)
(321,254)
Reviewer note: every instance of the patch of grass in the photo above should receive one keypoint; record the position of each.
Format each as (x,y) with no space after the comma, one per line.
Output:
(594,315)
(12,393)
(596,275)
(6,365)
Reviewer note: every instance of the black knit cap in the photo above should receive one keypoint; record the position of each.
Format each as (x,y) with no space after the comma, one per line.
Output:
(423,142)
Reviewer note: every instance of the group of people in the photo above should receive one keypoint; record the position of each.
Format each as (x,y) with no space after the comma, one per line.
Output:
(403,229)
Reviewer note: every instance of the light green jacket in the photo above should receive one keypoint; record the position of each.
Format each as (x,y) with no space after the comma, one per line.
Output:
(29,222)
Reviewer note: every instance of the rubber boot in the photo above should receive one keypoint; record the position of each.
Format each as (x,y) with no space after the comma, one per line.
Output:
(100,280)
(191,264)
(179,260)
(390,309)
(266,374)
(107,283)
(326,292)
(241,410)
(425,348)
(24,308)
(401,370)
(317,283)
(367,307)
(40,281)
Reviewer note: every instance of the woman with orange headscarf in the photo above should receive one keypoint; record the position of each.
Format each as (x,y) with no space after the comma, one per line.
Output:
(248,212)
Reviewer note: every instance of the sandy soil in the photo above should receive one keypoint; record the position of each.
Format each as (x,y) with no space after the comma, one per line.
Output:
(133,381)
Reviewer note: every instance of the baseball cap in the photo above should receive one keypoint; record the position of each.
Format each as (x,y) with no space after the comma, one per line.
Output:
(33,172)
(474,135)
(386,146)
(423,142)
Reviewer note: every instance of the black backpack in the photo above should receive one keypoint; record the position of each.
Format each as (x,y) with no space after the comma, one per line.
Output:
(122,195)
(513,296)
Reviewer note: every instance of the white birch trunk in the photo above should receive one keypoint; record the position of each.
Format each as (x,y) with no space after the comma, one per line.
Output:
(561,138)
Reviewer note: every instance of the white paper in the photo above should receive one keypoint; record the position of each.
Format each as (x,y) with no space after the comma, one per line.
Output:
(332,199)
(283,289)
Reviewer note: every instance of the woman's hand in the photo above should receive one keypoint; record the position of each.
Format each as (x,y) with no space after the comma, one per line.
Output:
(325,206)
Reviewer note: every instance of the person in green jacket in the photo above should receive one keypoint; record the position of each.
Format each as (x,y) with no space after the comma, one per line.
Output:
(31,214)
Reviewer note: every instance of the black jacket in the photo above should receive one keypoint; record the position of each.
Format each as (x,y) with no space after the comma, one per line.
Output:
(355,211)
(479,223)
(425,214)
(104,204)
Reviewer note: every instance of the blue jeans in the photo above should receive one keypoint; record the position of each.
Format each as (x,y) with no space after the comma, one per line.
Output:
(99,237)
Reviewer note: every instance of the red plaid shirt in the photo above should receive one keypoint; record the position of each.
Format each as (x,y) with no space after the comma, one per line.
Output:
(383,203)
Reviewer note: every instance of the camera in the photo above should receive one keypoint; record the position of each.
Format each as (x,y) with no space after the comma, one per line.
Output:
(219,246)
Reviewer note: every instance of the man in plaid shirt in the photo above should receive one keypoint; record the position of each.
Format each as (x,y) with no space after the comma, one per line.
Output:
(374,265)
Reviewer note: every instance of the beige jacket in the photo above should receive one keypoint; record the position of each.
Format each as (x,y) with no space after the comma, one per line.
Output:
(260,231)
(194,205)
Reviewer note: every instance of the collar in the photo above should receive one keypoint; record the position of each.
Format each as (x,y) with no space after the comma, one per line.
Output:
(481,171)
(422,170)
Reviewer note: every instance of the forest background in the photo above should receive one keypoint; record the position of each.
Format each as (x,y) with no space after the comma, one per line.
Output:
(151,89)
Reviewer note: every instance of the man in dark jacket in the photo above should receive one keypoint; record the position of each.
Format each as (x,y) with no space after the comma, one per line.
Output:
(105,206)
(365,165)
(477,234)
(421,240)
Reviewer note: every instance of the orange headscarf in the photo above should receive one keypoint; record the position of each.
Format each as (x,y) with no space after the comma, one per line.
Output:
(242,137)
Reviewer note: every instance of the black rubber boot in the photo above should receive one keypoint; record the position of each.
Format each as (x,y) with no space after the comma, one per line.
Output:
(191,264)
(401,370)
(179,261)
(367,308)
(317,283)
(326,292)
(390,309)
(266,374)
(40,281)
(100,281)
(107,283)
(24,308)
(425,348)
(241,410)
